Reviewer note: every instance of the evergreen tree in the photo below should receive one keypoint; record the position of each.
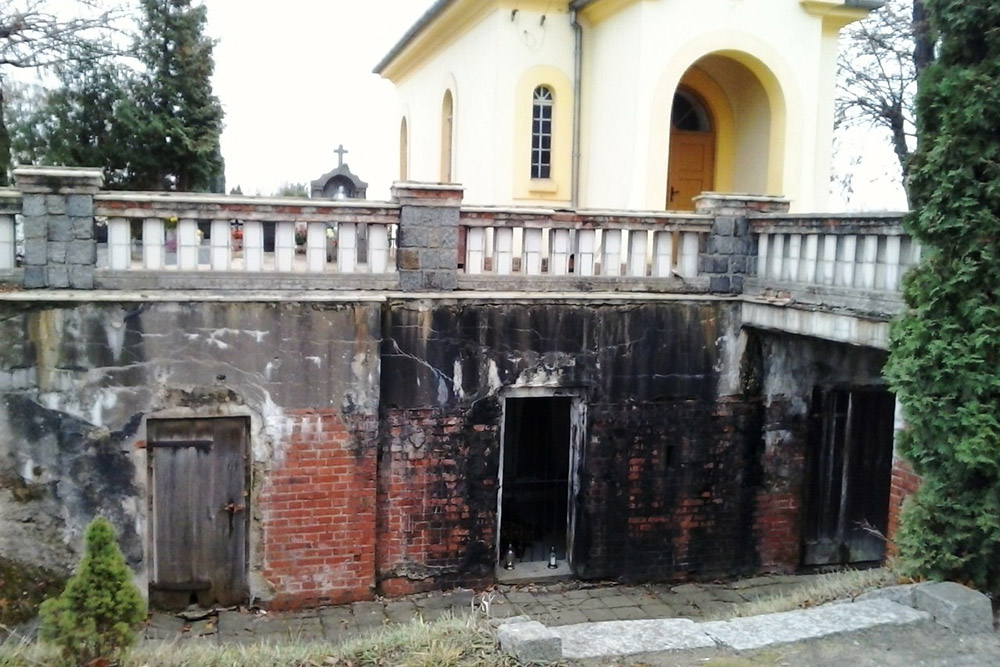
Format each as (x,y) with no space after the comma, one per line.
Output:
(176,120)
(945,349)
(97,614)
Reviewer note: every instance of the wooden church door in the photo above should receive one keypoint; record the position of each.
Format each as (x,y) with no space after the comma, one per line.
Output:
(691,164)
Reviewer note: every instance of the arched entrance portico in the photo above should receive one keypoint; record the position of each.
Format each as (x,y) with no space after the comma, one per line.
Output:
(726,130)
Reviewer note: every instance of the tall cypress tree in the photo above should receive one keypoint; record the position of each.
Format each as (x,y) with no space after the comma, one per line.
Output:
(176,120)
(945,350)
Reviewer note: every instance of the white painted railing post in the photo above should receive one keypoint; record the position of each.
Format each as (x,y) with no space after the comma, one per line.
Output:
(119,244)
(586,250)
(559,252)
(531,254)
(347,247)
(777,256)
(222,245)
(848,257)
(690,244)
(893,245)
(763,254)
(8,243)
(829,264)
(611,262)
(378,248)
(188,243)
(791,271)
(284,246)
(315,247)
(475,250)
(869,256)
(153,244)
(811,258)
(638,242)
(253,245)
(663,254)
(503,243)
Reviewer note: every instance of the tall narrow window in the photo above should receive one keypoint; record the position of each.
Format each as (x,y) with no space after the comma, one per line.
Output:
(447,134)
(541,132)
(404,150)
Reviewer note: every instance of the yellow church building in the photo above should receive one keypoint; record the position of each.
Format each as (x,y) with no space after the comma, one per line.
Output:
(621,104)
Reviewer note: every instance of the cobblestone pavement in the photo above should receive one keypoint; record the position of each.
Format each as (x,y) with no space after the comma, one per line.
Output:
(553,604)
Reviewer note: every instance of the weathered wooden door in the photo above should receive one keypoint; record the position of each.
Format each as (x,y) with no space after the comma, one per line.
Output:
(199,509)
(850,472)
(691,168)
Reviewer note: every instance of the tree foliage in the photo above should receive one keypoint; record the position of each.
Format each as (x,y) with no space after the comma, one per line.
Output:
(97,614)
(945,350)
(877,69)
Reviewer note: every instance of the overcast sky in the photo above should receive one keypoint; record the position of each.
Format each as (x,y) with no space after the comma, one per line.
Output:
(295,78)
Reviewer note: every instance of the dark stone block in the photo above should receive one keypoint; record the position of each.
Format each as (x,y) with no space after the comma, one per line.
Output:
(33,205)
(60,228)
(738,264)
(410,237)
(81,277)
(714,264)
(36,226)
(724,226)
(57,252)
(35,253)
(719,284)
(34,277)
(55,204)
(58,276)
(408,259)
(83,228)
(441,280)
(742,227)
(82,252)
(411,281)
(81,206)
(721,245)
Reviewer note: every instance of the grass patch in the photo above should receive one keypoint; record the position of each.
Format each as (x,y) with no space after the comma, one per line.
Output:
(844,585)
(449,642)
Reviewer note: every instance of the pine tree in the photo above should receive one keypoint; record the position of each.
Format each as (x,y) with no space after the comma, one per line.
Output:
(176,119)
(945,350)
(97,614)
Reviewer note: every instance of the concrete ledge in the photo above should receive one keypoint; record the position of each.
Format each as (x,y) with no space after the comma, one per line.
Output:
(530,642)
(954,606)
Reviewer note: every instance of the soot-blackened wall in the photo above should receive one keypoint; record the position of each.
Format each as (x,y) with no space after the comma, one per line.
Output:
(668,468)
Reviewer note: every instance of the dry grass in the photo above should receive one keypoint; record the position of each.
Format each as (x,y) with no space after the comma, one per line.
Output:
(844,585)
(457,642)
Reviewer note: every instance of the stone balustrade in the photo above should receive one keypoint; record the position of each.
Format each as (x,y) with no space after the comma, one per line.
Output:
(549,249)
(10,207)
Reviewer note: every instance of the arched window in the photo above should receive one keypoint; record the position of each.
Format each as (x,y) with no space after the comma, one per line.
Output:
(541,132)
(688,114)
(447,136)
(404,150)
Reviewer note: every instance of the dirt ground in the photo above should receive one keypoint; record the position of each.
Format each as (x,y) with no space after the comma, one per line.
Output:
(917,645)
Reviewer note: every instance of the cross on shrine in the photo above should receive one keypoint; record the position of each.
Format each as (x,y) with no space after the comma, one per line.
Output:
(340,155)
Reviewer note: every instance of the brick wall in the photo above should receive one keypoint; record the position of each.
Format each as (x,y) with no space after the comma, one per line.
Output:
(667,490)
(437,498)
(778,529)
(904,483)
(317,507)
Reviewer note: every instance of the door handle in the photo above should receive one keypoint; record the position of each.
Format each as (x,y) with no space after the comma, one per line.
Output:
(233,508)
(673,193)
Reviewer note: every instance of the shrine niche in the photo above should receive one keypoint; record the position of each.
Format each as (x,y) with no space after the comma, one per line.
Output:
(339,183)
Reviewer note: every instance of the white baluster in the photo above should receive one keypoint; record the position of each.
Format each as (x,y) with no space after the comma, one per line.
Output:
(777,257)
(378,248)
(153,245)
(586,251)
(811,258)
(690,245)
(7,243)
(119,244)
(791,272)
(893,245)
(503,244)
(829,263)
(531,255)
(475,250)
(316,247)
(663,254)
(611,262)
(869,256)
(188,243)
(848,259)
(347,247)
(221,242)
(638,242)
(253,245)
(559,252)
(763,254)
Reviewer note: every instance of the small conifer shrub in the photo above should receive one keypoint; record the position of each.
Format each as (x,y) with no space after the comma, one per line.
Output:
(94,620)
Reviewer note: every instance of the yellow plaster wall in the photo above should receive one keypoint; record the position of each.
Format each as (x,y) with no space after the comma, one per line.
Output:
(556,189)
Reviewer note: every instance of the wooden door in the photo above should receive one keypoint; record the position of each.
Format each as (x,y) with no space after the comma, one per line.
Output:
(850,473)
(199,509)
(691,168)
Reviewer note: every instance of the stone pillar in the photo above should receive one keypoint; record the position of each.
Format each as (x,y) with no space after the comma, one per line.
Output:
(427,257)
(58,210)
(731,253)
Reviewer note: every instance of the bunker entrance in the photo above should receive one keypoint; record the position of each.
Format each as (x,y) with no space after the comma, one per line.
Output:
(850,468)
(536,484)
